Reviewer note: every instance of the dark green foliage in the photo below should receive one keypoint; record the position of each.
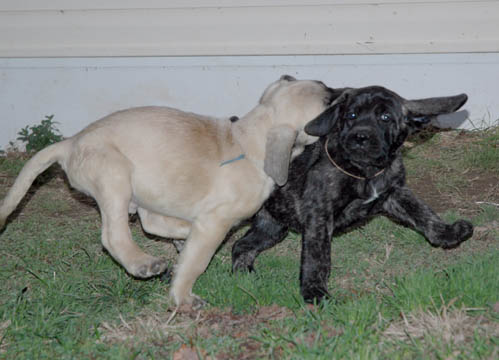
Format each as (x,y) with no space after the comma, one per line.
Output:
(40,136)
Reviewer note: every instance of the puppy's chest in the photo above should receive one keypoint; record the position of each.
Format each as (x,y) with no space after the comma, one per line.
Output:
(371,192)
(363,200)
(324,192)
(335,196)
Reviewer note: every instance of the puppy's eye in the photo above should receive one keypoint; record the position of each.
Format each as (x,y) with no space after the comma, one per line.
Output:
(385,117)
(351,115)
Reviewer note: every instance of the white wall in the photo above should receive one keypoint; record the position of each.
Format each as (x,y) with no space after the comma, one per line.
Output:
(245,27)
(82,59)
(81,90)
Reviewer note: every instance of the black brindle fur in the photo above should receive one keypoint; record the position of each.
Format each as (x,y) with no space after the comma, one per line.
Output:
(364,129)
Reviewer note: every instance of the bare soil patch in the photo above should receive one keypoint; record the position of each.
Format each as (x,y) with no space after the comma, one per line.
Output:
(471,187)
(187,324)
(481,188)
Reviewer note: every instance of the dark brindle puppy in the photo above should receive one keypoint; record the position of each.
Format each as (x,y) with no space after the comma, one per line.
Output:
(352,173)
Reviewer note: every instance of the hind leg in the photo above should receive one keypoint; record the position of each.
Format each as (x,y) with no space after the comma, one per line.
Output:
(112,190)
(117,240)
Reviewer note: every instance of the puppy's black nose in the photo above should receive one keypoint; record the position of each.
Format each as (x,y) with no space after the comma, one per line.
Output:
(360,139)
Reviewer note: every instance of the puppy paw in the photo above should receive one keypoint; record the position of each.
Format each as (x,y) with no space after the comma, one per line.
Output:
(153,267)
(238,267)
(243,262)
(192,303)
(315,294)
(462,230)
(454,234)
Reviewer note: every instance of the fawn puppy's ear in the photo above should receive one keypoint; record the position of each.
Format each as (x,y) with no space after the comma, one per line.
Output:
(280,140)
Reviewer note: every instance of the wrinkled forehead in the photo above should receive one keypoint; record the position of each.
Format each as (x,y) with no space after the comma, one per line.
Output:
(375,98)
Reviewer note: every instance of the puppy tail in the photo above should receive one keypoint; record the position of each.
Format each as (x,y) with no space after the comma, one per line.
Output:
(34,167)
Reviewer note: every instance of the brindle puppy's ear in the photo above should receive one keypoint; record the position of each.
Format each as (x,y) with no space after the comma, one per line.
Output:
(280,140)
(323,123)
(422,111)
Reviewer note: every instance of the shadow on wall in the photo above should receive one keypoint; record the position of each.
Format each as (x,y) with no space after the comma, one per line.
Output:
(451,121)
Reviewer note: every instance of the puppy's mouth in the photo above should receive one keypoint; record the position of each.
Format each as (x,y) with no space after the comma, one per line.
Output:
(369,159)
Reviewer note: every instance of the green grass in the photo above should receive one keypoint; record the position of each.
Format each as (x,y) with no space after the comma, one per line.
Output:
(63,297)
(458,150)
(484,152)
(58,287)
(11,166)
(276,283)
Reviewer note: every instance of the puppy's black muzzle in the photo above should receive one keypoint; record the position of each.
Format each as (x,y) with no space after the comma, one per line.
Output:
(359,140)
(364,148)
(363,141)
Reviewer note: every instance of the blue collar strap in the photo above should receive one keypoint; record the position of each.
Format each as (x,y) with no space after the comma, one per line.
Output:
(240,157)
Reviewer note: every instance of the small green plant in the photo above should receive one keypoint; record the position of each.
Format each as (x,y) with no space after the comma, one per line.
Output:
(40,136)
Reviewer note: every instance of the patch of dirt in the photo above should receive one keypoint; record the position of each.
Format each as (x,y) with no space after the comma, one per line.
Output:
(476,186)
(191,324)
(186,325)
(54,184)
(425,189)
(35,203)
(481,188)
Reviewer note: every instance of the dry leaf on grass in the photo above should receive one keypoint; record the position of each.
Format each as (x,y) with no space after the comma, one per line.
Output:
(483,232)
(188,353)
(3,327)
(249,350)
(450,324)
(273,312)
(205,323)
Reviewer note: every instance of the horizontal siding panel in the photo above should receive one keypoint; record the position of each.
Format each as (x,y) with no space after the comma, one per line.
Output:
(28,5)
(354,28)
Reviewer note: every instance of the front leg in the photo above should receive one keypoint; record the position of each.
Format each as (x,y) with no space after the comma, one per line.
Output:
(405,207)
(265,232)
(316,260)
(207,233)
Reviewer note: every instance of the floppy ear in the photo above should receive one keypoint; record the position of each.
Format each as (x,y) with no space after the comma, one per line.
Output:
(323,123)
(422,111)
(280,140)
